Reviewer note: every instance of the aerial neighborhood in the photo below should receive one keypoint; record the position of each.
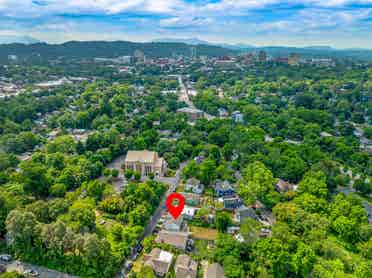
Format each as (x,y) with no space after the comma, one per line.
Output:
(268,149)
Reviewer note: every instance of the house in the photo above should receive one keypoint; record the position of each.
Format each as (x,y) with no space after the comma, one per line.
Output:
(264,232)
(192,114)
(188,212)
(185,267)
(179,240)
(231,203)
(165,132)
(53,134)
(282,186)
(231,230)
(145,162)
(199,159)
(214,271)
(24,157)
(243,213)
(191,199)
(222,112)
(174,225)
(239,238)
(237,117)
(325,134)
(224,189)
(269,139)
(194,185)
(159,260)
(258,205)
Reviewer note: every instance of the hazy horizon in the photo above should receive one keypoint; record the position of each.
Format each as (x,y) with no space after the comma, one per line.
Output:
(299,23)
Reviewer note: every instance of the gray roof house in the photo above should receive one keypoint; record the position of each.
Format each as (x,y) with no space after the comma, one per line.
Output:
(174,225)
(191,199)
(237,117)
(185,267)
(175,239)
(193,185)
(231,203)
(244,212)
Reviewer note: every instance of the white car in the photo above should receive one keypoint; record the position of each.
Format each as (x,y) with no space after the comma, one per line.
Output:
(5,258)
(31,273)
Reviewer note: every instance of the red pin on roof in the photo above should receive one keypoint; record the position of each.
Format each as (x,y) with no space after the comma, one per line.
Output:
(175,209)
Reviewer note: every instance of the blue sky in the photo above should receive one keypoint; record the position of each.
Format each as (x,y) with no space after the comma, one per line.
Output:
(338,23)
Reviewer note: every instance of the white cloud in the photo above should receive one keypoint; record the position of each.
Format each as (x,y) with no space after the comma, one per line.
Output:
(34,8)
(185,21)
(43,7)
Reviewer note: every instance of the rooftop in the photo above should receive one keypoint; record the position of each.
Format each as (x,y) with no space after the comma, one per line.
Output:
(189,210)
(159,260)
(165,256)
(176,239)
(214,271)
(185,267)
(141,156)
(189,110)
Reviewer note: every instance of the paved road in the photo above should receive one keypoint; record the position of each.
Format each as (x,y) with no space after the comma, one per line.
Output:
(184,96)
(173,184)
(20,267)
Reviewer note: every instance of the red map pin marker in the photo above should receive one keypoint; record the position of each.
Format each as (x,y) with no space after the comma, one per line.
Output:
(175,210)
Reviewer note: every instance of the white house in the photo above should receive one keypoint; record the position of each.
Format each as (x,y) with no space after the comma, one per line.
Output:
(189,212)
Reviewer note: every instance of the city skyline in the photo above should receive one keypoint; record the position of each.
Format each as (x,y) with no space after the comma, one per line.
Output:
(337,23)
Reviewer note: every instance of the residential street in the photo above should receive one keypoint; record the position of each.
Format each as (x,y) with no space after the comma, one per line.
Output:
(173,184)
(185,97)
(44,272)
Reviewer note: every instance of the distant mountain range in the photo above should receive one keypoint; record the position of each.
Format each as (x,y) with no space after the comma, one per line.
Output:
(196,41)
(18,39)
(242,46)
(320,47)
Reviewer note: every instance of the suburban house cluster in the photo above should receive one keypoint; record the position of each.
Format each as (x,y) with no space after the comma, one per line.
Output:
(184,267)
(180,233)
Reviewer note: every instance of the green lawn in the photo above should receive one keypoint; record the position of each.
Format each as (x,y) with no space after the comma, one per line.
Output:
(204,233)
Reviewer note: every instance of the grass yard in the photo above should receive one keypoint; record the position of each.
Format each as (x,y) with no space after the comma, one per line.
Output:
(203,233)
(181,188)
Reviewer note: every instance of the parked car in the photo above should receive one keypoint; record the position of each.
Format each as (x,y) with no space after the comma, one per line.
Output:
(102,222)
(128,265)
(31,273)
(5,258)
(139,247)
